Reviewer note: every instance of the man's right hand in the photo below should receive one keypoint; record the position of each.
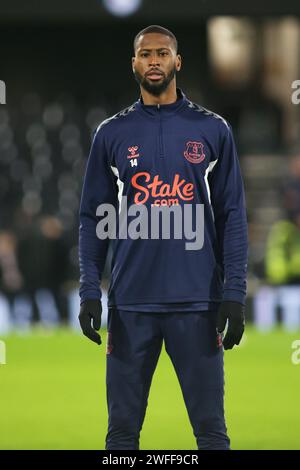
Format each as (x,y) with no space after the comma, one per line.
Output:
(91,310)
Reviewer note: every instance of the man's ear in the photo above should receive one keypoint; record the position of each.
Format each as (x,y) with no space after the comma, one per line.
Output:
(178,62)
(132,63)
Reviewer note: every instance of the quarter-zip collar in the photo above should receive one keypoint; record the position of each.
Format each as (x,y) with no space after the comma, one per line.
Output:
(164,110)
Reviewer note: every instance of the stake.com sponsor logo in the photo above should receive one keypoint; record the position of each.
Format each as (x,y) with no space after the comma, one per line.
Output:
(157,188)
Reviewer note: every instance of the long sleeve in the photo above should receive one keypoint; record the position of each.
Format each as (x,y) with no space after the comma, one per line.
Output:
(99,187)
(229,208)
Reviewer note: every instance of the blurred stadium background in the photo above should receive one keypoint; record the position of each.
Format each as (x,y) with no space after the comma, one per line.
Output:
(67,66)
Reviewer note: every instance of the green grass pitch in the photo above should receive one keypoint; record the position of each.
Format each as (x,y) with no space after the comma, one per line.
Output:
(53,395)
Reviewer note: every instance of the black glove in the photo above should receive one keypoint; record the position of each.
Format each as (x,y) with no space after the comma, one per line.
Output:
(234,312)
(91,309)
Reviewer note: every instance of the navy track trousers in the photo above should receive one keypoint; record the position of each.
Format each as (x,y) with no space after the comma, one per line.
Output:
(134,343)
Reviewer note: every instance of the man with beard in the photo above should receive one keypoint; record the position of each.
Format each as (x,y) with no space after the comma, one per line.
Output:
(170,151)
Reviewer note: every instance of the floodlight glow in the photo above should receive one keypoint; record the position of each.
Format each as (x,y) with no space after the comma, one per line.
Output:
(122,7)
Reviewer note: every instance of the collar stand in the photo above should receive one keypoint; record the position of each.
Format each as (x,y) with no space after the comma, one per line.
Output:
(164,109)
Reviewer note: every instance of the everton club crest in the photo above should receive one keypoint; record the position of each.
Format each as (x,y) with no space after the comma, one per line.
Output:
(194,152)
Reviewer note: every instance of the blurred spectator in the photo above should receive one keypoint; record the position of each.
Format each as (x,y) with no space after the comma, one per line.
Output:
(282,268)
(10,278)
(283,252)
(291,188)
(43,261)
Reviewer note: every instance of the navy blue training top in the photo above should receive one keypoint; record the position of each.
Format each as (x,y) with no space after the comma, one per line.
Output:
(166,155)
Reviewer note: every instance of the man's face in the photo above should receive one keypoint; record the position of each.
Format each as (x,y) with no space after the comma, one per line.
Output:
(155,63)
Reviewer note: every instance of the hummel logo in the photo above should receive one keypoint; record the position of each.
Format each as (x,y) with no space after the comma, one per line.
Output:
(132,151)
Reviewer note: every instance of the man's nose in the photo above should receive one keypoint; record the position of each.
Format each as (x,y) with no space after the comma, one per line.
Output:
(154,59)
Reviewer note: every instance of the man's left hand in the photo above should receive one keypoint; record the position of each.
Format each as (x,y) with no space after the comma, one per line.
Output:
(234,312)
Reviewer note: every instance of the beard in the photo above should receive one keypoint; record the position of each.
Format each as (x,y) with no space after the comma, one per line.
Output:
(155,88)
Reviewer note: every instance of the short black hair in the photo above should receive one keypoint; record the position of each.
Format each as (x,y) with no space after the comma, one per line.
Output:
(155,28)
